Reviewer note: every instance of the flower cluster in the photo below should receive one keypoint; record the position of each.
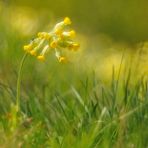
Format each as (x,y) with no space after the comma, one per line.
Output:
(57,39)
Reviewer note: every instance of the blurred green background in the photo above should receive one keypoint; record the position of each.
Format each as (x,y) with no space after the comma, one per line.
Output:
(104,29)
(122,20)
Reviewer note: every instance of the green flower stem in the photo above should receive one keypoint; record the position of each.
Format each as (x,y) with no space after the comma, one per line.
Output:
(19,82)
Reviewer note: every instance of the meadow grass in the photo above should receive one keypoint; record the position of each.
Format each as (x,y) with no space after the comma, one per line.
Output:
(84,113)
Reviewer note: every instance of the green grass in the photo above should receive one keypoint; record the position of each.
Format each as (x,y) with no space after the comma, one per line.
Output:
(87,113)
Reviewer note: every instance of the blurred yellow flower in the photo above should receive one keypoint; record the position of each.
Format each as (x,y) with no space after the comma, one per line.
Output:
(28,47)
(41,57)
(62,59)
(58,39)
(67,21)
(53,44)
(70,34)
(33,52)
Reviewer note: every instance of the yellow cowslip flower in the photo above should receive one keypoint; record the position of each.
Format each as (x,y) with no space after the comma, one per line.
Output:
(67,21)
(70,34)
(41,58)
(58,39)
(62,59)
(33,52)
(53,44)
(44,35)
(58,29)
(27,47)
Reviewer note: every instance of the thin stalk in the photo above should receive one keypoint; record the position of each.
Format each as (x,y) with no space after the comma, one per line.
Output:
(19,82)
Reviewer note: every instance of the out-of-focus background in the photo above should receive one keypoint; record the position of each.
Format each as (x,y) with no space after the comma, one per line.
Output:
(122,20)
(107,31)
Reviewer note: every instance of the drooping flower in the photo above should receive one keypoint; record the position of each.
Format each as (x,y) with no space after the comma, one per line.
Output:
(57,40)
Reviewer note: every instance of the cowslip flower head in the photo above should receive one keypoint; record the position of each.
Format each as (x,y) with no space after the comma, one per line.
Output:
(58,39)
